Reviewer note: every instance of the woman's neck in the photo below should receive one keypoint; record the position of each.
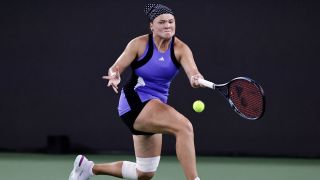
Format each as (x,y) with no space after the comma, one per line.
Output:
(161,44)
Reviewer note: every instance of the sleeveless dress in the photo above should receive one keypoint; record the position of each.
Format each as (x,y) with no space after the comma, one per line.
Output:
(151,76)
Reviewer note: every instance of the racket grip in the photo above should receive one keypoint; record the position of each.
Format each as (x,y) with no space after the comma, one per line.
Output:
(206,83)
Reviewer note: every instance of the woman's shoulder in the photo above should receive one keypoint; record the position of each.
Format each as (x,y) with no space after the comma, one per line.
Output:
(140,40)
(180,45)
(138,44)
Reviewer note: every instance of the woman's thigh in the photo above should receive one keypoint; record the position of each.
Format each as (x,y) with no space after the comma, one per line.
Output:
(147,146)
(157,117)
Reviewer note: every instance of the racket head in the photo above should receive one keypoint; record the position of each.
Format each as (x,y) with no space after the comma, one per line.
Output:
(246,97)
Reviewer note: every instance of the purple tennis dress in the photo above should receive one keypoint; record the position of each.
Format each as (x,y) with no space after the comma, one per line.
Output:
(151,76)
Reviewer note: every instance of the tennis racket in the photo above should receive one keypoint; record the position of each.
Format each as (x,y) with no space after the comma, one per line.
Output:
(245,96)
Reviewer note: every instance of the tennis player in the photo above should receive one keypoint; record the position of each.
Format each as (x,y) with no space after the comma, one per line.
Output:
(155,60)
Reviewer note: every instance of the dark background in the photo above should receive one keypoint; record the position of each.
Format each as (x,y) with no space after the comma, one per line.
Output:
(53,54)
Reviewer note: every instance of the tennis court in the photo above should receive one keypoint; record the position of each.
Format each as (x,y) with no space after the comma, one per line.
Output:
(17,166)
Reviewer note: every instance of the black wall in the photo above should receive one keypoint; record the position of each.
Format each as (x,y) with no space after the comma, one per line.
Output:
(53,54)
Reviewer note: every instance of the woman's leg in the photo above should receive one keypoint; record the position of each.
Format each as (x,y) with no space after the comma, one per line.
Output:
(157,117)
(145,147)
(111,169)
(147,150)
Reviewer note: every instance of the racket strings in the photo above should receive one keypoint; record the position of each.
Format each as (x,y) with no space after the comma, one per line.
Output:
(247,97)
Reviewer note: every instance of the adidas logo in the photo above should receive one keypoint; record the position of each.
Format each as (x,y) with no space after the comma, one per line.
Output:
(161,59)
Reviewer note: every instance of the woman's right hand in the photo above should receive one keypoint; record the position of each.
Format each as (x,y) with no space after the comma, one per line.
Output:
(114,78)
(194,80)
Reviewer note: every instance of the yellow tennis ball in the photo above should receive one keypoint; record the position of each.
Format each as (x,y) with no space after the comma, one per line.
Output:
(198,106)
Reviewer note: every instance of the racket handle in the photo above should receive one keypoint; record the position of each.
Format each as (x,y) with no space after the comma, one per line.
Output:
(206,83)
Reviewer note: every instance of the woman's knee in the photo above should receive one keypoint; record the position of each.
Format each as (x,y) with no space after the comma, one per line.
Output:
(145,175)
(146,167)
(185,127)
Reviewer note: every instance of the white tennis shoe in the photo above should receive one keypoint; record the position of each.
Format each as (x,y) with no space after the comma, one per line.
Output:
(82,169)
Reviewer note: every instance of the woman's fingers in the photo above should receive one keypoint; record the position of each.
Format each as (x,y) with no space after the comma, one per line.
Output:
(107,77)
(195,80)
(114,78)
(115,88)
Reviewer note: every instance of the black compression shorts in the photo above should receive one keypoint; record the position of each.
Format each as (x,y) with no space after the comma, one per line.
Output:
(130,117)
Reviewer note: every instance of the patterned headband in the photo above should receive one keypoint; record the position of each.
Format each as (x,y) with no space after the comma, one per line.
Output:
(155,10)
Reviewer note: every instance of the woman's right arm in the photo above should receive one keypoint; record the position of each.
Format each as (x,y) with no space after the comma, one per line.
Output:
(125,59)
(127,56)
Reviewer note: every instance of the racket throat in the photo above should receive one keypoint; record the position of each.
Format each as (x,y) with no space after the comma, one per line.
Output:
(223,90)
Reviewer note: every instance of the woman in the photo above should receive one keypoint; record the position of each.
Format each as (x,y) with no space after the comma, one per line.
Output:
(155,59)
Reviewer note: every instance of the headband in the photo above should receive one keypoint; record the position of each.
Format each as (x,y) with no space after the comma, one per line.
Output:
(155,10)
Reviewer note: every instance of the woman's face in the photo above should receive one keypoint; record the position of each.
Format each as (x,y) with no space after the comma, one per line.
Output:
(164,26)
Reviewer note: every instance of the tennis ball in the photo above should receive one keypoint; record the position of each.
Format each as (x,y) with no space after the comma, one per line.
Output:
(198,106)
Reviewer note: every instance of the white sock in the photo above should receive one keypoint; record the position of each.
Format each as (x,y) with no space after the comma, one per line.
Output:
(197,178)
(90,169)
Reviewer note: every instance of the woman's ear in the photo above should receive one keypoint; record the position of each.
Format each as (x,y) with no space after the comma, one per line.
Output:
(151,28)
